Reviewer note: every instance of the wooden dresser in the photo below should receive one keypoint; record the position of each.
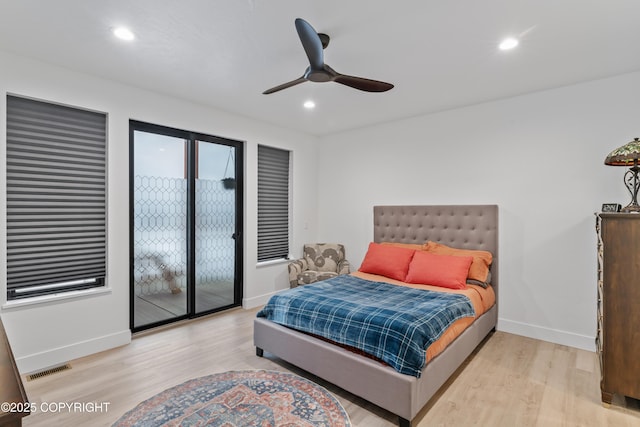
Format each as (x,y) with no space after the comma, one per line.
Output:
(618,337)
(13,399)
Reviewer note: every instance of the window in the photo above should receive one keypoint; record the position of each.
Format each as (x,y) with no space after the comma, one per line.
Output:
(56,198)
(273,203)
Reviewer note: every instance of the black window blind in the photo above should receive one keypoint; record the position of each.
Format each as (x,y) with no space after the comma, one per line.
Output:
(56,198)
(273,203)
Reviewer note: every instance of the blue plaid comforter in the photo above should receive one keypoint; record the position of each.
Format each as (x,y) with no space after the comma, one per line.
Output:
(393,323)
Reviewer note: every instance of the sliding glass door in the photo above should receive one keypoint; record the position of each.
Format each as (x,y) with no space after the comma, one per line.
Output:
(215,226)
(185,224)
(159,288)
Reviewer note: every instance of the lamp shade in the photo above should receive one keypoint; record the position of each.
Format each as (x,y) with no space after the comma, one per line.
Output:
(627,155)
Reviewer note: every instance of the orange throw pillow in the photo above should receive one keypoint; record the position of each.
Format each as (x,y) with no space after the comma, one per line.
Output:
(414,246)
(386,260)
(481,259)
(439,270)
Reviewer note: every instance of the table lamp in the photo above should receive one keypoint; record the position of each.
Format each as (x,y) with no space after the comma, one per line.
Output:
(628,155)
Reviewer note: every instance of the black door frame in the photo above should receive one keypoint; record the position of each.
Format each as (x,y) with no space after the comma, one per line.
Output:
(191,138)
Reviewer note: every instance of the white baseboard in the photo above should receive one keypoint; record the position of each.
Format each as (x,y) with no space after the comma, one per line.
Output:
(253,302)
(555,336)
(57,356)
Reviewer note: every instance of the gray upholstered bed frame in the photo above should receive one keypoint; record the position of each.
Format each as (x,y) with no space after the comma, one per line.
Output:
(462,226)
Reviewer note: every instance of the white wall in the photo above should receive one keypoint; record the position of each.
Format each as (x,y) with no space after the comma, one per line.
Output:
(49,333)
(538,156)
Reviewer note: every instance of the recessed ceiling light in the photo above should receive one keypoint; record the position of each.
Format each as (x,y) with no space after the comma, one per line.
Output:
(309,105)
(123,33)
(508,43)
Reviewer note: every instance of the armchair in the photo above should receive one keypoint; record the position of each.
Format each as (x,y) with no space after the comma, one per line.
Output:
(319,261)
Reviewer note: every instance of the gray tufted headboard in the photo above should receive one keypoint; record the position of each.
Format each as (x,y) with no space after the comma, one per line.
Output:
(459,226)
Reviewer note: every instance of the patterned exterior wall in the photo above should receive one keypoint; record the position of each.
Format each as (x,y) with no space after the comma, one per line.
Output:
(160,234)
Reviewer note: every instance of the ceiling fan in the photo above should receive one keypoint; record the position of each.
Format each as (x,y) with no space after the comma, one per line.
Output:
(319,72)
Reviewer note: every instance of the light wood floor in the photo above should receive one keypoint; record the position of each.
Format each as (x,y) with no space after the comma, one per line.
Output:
(510,380)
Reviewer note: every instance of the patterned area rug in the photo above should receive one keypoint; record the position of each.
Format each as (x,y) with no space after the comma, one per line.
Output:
(241,398)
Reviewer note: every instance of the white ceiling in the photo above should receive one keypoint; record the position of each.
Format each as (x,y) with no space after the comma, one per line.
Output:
(440,54)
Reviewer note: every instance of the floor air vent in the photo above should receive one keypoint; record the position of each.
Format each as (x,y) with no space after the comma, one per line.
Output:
(47,372)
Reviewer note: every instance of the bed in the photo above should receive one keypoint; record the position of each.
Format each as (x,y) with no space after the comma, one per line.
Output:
(473,227)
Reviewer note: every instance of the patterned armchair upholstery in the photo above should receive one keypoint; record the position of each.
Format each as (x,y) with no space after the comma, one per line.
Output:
(319,261)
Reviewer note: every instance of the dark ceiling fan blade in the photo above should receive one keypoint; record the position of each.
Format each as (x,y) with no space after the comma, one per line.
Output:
(361,83)
(285,85)
(311,43)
